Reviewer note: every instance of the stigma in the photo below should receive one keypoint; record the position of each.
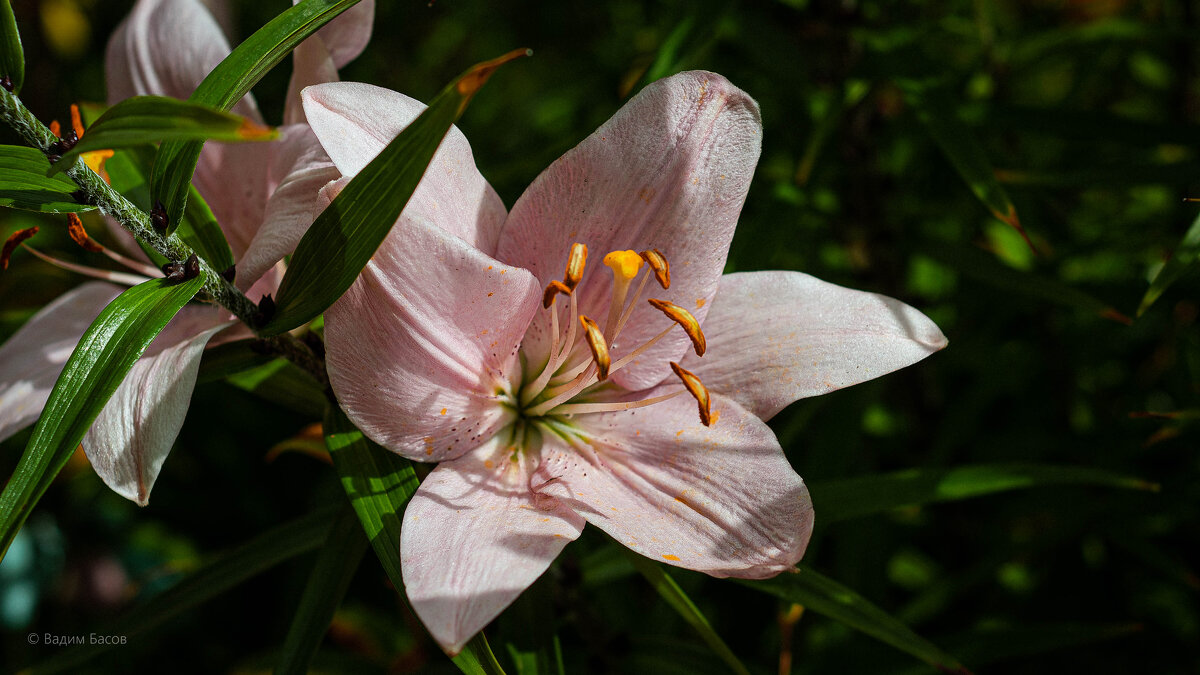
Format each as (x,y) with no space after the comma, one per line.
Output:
(579,361)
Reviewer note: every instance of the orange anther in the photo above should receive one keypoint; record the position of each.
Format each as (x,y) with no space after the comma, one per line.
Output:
(595,341)
(685,319)
(552,289)
(575,264)
(13,242)
(658,262)
(80,235)
(698,391)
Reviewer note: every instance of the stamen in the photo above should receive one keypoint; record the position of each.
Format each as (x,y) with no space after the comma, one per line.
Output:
(595,341)
(625,266)
(76,121)
(552,289)
(629,308)
(107,275)
(80,236)
(95,159)
(573,408)
(697,390)
(575,264)
(55,128)
(658,262)
(685,319)
(13,242)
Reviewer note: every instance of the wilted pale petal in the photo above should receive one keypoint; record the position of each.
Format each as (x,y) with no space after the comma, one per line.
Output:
(419,345)
(721,500)
(131,437)
(33,357)
(774,337)
(473,540)
(166,48)
(355,121)
(305,169)
(669,171)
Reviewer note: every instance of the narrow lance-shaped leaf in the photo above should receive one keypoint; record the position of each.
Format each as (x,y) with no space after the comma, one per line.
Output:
(229,82)
(935,109)
(216,577)
(868,495)
(104,355)
(681,603)
(143,120)
(829,598)
(1184,256)
(331,574)
(12,57)
(344,237)
(379,485)
(25,185)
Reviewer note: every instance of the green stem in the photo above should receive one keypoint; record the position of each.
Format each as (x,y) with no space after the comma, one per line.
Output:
(113,203)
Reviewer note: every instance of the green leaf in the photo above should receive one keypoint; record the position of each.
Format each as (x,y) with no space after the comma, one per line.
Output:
(379,484)
(229,82)
(867,495)
(281,381)
(829,598)
(104,355)
(331,574)
(982,266)
(344,237)
(12,58)
(143,120)
(681,603)
(127,170)
(231,358)
(528,630)
(936,110)
(24,184)
(250,559)
(1181,261)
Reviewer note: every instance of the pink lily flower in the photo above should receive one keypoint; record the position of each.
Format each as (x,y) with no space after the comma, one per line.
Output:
(555,398)
(263,198)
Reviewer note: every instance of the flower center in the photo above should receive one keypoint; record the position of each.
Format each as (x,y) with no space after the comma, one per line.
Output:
(578,364)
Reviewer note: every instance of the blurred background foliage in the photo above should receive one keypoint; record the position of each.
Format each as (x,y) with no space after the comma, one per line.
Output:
(903,141)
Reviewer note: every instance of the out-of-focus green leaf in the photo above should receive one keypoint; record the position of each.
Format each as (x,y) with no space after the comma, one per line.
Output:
(143,120)
(12,57)
(252,558)
(528,630)
(829,598)
(379,484)
(331,574)
(25,185)
(986,646)
(104,355)
(346,234)
(867,495)
(977,264)
(280,381)
(1182,259)
(229,82)
(681,603)
(231,358)
(936,110)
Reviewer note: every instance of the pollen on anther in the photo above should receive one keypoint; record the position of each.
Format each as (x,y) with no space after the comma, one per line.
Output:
(658,262)
(576,262)
(685,319)
(698,391)
(595,341)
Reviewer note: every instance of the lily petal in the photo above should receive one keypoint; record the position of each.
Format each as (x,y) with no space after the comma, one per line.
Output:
(289,212)
(721,500)
(346,36)
(131,437)
(311,64)
(670,171)
(473,540)
(166,48)
(775,337)
(355,121)
(33,358)
(419,348)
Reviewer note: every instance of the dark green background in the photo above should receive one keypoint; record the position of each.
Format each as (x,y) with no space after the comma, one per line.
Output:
(1086,110)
